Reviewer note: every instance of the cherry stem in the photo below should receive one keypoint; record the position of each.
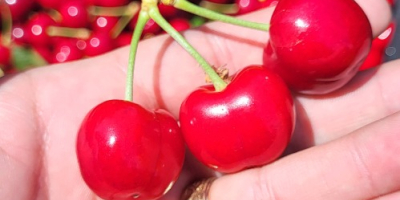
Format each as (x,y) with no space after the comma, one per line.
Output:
(219,7)
(209,14)
(217,81)
(130,12)
(6,23)
(110,11)
(141,22)
(81,33)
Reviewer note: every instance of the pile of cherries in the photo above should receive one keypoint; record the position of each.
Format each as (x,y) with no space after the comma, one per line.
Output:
(40,32)
(125,151)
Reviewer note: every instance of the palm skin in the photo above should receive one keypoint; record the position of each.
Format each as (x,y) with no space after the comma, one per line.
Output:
(41,110)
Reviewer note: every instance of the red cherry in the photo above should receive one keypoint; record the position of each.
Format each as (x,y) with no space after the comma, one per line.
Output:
(314,48)
(18,35)
(110,3)
(124,39)
(127,152)
(5,57)
(247,124)
(246,6)
(374,58)
(45,52)
(180,24)
(384,39)
(20,9)
(35,29)
(49,4)
(104,23)
(74,14)
(99,43)
(67,50)
(167,11)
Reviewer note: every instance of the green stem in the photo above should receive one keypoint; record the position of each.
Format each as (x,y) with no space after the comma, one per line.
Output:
(206,13)
(141,22)
(6,23)
(218,82)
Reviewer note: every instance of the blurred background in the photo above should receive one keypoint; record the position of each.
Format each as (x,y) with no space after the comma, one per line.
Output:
(40,32)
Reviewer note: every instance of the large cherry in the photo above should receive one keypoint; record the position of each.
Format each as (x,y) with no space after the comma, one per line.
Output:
(127,152)
(247,124)
(317,46)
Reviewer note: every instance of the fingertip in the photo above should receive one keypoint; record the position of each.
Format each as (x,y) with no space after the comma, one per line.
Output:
(378,12)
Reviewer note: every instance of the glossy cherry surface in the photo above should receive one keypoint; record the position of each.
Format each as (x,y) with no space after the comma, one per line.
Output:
(36,28)
(20,9)
(74,14)
(127,152)
(247,124)
(314,48)
(66,50)
(98,43)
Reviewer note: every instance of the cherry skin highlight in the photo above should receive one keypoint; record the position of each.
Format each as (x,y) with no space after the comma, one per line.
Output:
(127,152)
(317,49)
(247,124)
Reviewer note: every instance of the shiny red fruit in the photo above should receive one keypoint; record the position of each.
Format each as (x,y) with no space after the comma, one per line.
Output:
(99,43)
(246,6)
(36,28)
(67,50)
(74,14)
(127,152)
(247,124)
(180,24)
(314,48)
(20,9)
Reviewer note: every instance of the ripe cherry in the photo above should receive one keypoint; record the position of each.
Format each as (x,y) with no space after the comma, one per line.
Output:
(66,50)
(104,23)
(247,124)
(180,24)
(36,27)
(20,9)
(314,48)
(74,14)
(127,152)
(246,6)
(110,3)
(99,43)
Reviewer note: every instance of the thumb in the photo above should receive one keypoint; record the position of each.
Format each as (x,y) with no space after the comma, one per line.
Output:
(361,165)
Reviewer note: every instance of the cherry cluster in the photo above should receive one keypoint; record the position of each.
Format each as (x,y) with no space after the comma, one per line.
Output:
(35,33)
(126,151)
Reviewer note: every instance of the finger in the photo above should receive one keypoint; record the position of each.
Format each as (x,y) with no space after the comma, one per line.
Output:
(370,96)
(362,165)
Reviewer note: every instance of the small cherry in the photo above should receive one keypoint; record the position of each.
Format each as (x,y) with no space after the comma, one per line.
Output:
(180,24)
(20,9)
(104,23)
(123,39)
(246,6)
(167,11)
(36,27)
(247,124)
(314,48)
(98,43)
(110,3)
(67,50)
(74,14)
(50,4)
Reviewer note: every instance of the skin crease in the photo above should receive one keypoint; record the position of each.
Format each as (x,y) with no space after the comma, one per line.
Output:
(40,112)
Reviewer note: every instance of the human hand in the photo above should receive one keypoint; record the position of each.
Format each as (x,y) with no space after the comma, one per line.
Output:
(41,110)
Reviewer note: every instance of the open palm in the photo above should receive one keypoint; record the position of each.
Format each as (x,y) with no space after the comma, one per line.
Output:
(41,109)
